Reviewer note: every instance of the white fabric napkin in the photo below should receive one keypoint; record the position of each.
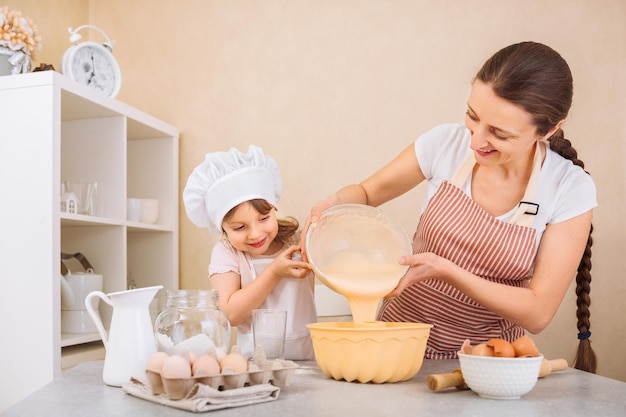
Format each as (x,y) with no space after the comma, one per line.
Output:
(202,398)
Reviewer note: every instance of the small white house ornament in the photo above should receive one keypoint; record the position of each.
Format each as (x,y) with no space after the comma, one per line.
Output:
(69,203)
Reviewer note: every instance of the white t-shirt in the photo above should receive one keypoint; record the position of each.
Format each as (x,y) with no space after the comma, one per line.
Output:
(564,190)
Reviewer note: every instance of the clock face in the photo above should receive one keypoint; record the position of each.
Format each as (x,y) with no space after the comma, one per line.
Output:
(92,65)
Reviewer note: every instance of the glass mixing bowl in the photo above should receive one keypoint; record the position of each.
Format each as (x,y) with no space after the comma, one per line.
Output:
(354,250)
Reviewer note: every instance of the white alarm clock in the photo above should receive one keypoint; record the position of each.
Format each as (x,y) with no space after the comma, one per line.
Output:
(92,64)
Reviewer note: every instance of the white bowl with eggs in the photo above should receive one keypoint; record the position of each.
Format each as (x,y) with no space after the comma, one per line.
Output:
(498,377)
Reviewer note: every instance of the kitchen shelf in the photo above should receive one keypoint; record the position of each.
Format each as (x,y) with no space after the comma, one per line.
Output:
(72,339)
(89,351)
(68,220)
(53,129)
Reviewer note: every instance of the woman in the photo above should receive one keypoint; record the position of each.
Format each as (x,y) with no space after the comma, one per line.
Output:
(508,213)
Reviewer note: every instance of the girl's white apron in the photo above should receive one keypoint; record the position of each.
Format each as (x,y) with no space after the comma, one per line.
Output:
(291,294)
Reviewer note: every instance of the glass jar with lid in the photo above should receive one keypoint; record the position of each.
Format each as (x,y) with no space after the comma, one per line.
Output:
(192,323)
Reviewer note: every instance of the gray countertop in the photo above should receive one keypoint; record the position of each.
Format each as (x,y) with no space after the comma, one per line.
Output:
(81,391)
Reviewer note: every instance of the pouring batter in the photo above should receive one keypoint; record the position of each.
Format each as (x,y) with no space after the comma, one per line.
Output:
(362,281)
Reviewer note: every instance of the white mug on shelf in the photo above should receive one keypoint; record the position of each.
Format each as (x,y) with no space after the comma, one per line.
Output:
(133,209)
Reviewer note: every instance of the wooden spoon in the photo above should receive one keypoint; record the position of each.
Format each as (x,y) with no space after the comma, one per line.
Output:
(437,382)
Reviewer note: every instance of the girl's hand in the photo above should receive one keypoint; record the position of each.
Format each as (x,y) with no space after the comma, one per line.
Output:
(422,266)
(289,264)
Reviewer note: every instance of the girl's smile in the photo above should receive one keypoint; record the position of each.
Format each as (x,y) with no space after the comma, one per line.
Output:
(259,243)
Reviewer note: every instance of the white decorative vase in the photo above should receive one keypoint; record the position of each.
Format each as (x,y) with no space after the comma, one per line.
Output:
(5,66)
(14,62)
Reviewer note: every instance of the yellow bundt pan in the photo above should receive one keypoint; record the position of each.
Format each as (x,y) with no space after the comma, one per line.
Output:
(375,352)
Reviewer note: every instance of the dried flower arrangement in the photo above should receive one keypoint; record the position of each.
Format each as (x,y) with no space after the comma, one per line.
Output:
(19,39)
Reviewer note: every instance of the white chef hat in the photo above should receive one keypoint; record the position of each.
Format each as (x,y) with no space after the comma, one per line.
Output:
(227,179)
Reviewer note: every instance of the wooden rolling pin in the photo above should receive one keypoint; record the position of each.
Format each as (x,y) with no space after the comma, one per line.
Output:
(436,382)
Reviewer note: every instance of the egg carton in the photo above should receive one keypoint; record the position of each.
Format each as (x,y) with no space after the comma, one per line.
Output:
(276,372)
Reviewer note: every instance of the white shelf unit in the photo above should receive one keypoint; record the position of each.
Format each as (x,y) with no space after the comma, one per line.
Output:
(53,129)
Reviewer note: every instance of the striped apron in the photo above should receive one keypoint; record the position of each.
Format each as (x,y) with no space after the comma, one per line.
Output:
(455,227)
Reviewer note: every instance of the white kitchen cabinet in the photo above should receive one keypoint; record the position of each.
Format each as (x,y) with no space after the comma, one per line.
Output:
(53,129)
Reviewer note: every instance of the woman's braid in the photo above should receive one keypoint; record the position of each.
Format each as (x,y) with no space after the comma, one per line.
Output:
(585,356)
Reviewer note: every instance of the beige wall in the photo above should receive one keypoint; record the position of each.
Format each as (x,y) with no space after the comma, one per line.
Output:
(334,89)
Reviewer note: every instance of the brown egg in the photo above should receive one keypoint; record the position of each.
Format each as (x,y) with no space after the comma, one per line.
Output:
(155,361)
(176,367)
(466,347)
(482,350)
(524,346)
(235,362)
(205,365)
(502,348)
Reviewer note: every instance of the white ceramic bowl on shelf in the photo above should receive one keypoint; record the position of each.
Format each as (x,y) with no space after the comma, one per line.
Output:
(149,210)
(500,378)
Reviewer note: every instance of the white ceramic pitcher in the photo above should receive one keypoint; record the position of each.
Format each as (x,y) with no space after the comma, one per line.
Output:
(130,340)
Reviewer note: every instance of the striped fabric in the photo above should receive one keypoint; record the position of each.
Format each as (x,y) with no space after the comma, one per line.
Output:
(456,228)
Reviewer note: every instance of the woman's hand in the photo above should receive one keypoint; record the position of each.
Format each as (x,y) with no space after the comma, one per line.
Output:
(288,264)
(316,213)
(422,266)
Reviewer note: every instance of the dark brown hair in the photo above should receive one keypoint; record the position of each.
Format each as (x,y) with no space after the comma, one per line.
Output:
(536,78)
(287,227)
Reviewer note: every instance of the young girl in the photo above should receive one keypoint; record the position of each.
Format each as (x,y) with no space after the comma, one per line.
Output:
(256,264)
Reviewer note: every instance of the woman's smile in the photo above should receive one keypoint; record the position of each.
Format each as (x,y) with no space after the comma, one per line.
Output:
(485,152)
